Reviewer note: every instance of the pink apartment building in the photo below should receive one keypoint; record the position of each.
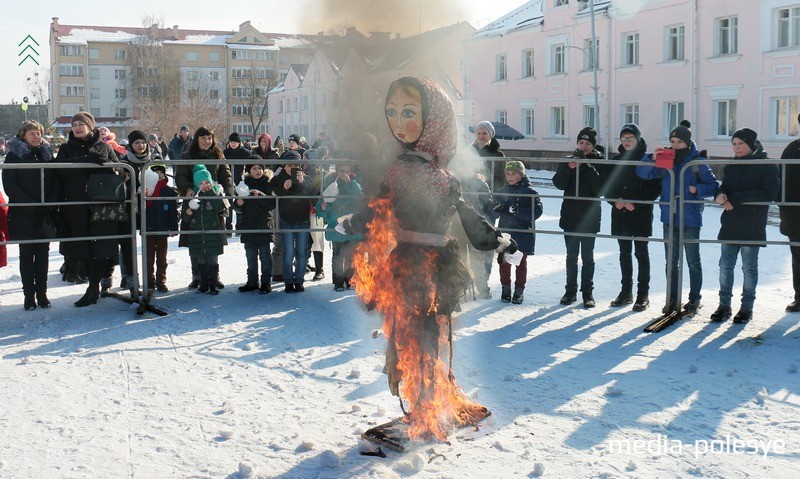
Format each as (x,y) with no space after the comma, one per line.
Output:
(721,64)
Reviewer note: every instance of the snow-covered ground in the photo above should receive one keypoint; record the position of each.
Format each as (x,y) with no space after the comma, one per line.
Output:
(246,385)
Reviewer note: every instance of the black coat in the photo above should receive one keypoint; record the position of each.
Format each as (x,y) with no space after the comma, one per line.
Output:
(497,168)
(163,214)
(622,182)
(519,213)
(90,150)
(254,213)
(294,210)
(790,215)
(25,186)
(743,183)
(240,153)
(221,173)
(580,216)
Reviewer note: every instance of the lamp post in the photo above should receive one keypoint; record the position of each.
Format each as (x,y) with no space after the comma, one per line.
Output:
(593,57)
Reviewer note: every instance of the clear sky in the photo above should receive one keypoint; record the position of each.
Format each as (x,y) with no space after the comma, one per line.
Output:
(21,19)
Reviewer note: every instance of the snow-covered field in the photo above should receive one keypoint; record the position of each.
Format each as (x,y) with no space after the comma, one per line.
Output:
(281,386)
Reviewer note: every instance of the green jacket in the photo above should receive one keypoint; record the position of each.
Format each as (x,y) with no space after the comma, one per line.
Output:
(205,218)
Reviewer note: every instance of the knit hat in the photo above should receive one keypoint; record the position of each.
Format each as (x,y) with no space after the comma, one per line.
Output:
(292,155)
(85,117)
(632,129)
(200,173)
(235,137)
(184,127)
(517,166)
(158,167)
(136,135)
(682,132)
(257,161)
(748,136)
(152,137)
(588,134)
(295,138)
(489,127)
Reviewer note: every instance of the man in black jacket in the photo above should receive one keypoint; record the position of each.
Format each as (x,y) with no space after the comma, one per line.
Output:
(790,215)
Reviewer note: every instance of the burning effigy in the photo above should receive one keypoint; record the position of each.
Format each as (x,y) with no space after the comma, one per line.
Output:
(409,269)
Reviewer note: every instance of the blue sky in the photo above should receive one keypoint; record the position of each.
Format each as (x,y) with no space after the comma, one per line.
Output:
(22,19)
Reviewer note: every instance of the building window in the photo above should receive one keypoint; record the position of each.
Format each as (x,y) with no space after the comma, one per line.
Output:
(94,54)
(240,110)
(560,3)
(94,93)
(120,112)
(501,70)
(146,90)
(243,128)
(95,112)
(727,41)
(501,116)
(724,117)
(558,121)
(280,106)
(191,56)
(788,27)
(120,93)
(589,116)
(304,103)
(94,74)
(527,63)
(241,92)
(264,56)
(72,90)
(527,122)
(213,57)
(673,114)
(192,75)
(213,94)
(119,54)
(119,74)
(630,113)
(70,109)
(242,72)
(591,55)
(214,76)
(70,50)
(784,118)
(674,43)
(323,100)
(295,104)
(558,59)
(241,54)
(630,49)
(71,70)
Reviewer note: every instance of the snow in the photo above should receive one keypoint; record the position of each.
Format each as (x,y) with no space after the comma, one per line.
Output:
(252,386)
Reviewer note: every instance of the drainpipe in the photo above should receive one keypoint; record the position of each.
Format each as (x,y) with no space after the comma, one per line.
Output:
(695,60)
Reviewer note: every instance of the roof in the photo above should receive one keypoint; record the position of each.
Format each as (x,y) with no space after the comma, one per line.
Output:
(78,33)
(110,121)
(402,50)
(525,16)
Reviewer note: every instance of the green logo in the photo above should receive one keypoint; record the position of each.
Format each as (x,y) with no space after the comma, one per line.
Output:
(27,47)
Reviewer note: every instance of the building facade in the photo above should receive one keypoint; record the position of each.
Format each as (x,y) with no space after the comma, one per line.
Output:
(722,65)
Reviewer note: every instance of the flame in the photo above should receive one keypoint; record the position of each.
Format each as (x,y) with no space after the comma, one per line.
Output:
(398,282)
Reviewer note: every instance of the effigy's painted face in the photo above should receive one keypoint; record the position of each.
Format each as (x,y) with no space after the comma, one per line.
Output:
(404,113)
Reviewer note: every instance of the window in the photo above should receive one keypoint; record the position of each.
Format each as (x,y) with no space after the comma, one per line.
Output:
(213,57)
(558,59)
(213,94)
(146,90)
(527,63)
(121,112)
(295,104)
(630,49)
(241,54)
(304,103)
(94,74)
(71,70)
(70,109)
(501,116)
(70,50)
(589,116)
(788,27)
(280,106)
(240,110)
(94,93)
(560,3)
(191,56)
(784,121)
(527,122)
(94,54)
(727,41)
(673,114)
(243,128)
(192,75)
(242,72)
(95,112)
(265,55)
(323,100)
(591,55)
(558,121)
(724,117)
(630,113)
(119,54)
(501,70)
(120,93)
(72,90)
(214,76)
(240,92)
(674,43)
(119,74)
(147,72)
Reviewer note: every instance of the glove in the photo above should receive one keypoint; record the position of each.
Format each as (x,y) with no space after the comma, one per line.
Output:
(242,189)
(512,248)
(194,203)
(500,259)
(343,225)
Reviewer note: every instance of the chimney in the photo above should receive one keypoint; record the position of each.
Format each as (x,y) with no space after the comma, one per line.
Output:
(175,33)
(350,31)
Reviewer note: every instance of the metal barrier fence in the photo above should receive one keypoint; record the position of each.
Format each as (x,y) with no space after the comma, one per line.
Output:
(138,201)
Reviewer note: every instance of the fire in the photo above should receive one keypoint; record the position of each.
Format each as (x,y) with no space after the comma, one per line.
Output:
(397,280)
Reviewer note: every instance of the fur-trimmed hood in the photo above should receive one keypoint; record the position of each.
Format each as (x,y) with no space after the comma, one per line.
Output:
(21,149)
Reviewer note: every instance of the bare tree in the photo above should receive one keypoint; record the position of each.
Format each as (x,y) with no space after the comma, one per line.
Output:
(37,86)
(248,95)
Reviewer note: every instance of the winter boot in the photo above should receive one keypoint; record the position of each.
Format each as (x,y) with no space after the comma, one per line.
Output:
(623,298)
(299,288)
(89,297)
(74,275)
(289,288)
(518,296)
(251,285)
(213,279)
(743,316)
(505,293)
(793,307)
(30,302)
(266,287)
(588,300)
(721,314)
(570,296)
(105,286)
(319,272)
(203,282)
(642,302)
(41,299)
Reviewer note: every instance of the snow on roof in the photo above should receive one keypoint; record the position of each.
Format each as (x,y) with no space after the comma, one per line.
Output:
(200,40)
(525,16)
(79,36)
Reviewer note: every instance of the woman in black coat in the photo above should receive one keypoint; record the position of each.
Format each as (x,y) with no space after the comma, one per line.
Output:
(84,146)
(790,215)
(632,219)
(486,145)
(25,186)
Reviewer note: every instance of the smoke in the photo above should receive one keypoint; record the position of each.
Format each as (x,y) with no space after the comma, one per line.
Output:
(405,17)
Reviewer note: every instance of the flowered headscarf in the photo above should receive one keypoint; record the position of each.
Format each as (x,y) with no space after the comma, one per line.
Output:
(438,136)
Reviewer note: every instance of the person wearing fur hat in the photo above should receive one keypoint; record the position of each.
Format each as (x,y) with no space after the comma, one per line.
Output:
(203,147)
(486,145)
(518,206)
(253,213)
(161,219)
(84,146)
(790,215)
(631,219)
(743,183)
(699,183)
(203,213)
(583,179)
(24,222)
